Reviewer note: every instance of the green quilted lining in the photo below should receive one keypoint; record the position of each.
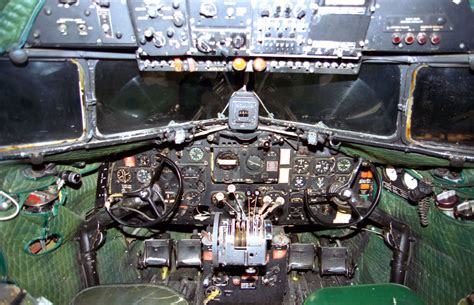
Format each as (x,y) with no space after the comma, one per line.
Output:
(441,265)
(440,269)
(16,20)
(116,262)
(3,268)
(55,275)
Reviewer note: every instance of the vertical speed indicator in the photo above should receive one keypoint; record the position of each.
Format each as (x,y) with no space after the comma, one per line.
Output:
(343,165)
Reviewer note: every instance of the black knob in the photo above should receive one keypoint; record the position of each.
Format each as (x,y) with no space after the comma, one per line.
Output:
(288,11)
(178,19)
(265,13)
(277,11)
(238,41)
(18,56)
(175,4)
(441,20)
(206,43)
(148,33)
(70,177)
(159,40)
(301,14)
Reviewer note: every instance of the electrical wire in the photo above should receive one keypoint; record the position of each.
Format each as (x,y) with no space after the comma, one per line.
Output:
(138,212)
(17,207)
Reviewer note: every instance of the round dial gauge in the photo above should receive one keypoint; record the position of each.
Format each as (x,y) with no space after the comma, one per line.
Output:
(321,183)
(144,176)
(144,160)
(301,166)
(227,161)
(391,173)
(322,166)
(191,172)
(299,182)
(410,182)
(168,180)
(254,163)
(196,154)
(191,198)
(344,165)
(124,175)
(167,174)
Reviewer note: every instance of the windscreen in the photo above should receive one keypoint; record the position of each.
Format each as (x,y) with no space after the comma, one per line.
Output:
(39,102)
(128,99)
(443,106)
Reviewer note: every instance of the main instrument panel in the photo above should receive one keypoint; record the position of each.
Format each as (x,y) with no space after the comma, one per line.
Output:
(300,36)
(273,181)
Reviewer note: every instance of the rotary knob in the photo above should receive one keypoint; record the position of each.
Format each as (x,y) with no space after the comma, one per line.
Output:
(238,41)
(178,19)
(159,40)
(206,43)
(208,9)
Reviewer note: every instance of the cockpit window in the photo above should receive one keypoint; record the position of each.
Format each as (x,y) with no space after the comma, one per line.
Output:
(40,102)
(132,100)
(129,100)
(365,103)
(443,106)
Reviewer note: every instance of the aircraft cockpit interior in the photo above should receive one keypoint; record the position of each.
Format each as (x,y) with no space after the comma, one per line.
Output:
(272,152)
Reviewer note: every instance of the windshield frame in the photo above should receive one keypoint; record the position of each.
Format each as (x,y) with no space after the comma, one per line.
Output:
(345,133)
(85,135)
(92,139)
(407,118)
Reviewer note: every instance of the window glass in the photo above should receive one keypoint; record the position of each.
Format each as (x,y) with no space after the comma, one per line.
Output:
(39,102)
(443,106)
(128,99)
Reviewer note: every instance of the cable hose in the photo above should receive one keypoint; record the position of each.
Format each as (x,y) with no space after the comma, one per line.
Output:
(423,210)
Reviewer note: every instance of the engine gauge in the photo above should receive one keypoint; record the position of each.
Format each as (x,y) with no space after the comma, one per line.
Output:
(254,163)
(196,154)
(410,182)
(190,172)
(301,166)
(227,160)
(144,176)
(167,174)
(299,182)
(144,160)
(322,166)
(321,184)
(343,165)
(391,173)
(192,198)
(124,175)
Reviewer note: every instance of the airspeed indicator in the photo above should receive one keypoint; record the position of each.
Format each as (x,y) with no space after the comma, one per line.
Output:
(196,154)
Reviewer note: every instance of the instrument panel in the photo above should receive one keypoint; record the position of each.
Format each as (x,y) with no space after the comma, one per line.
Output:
(289,36)
(215,175)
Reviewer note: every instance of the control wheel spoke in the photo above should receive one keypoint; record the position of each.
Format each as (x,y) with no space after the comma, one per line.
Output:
(345,196)
(155,208)
(354,209)
(151,196)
